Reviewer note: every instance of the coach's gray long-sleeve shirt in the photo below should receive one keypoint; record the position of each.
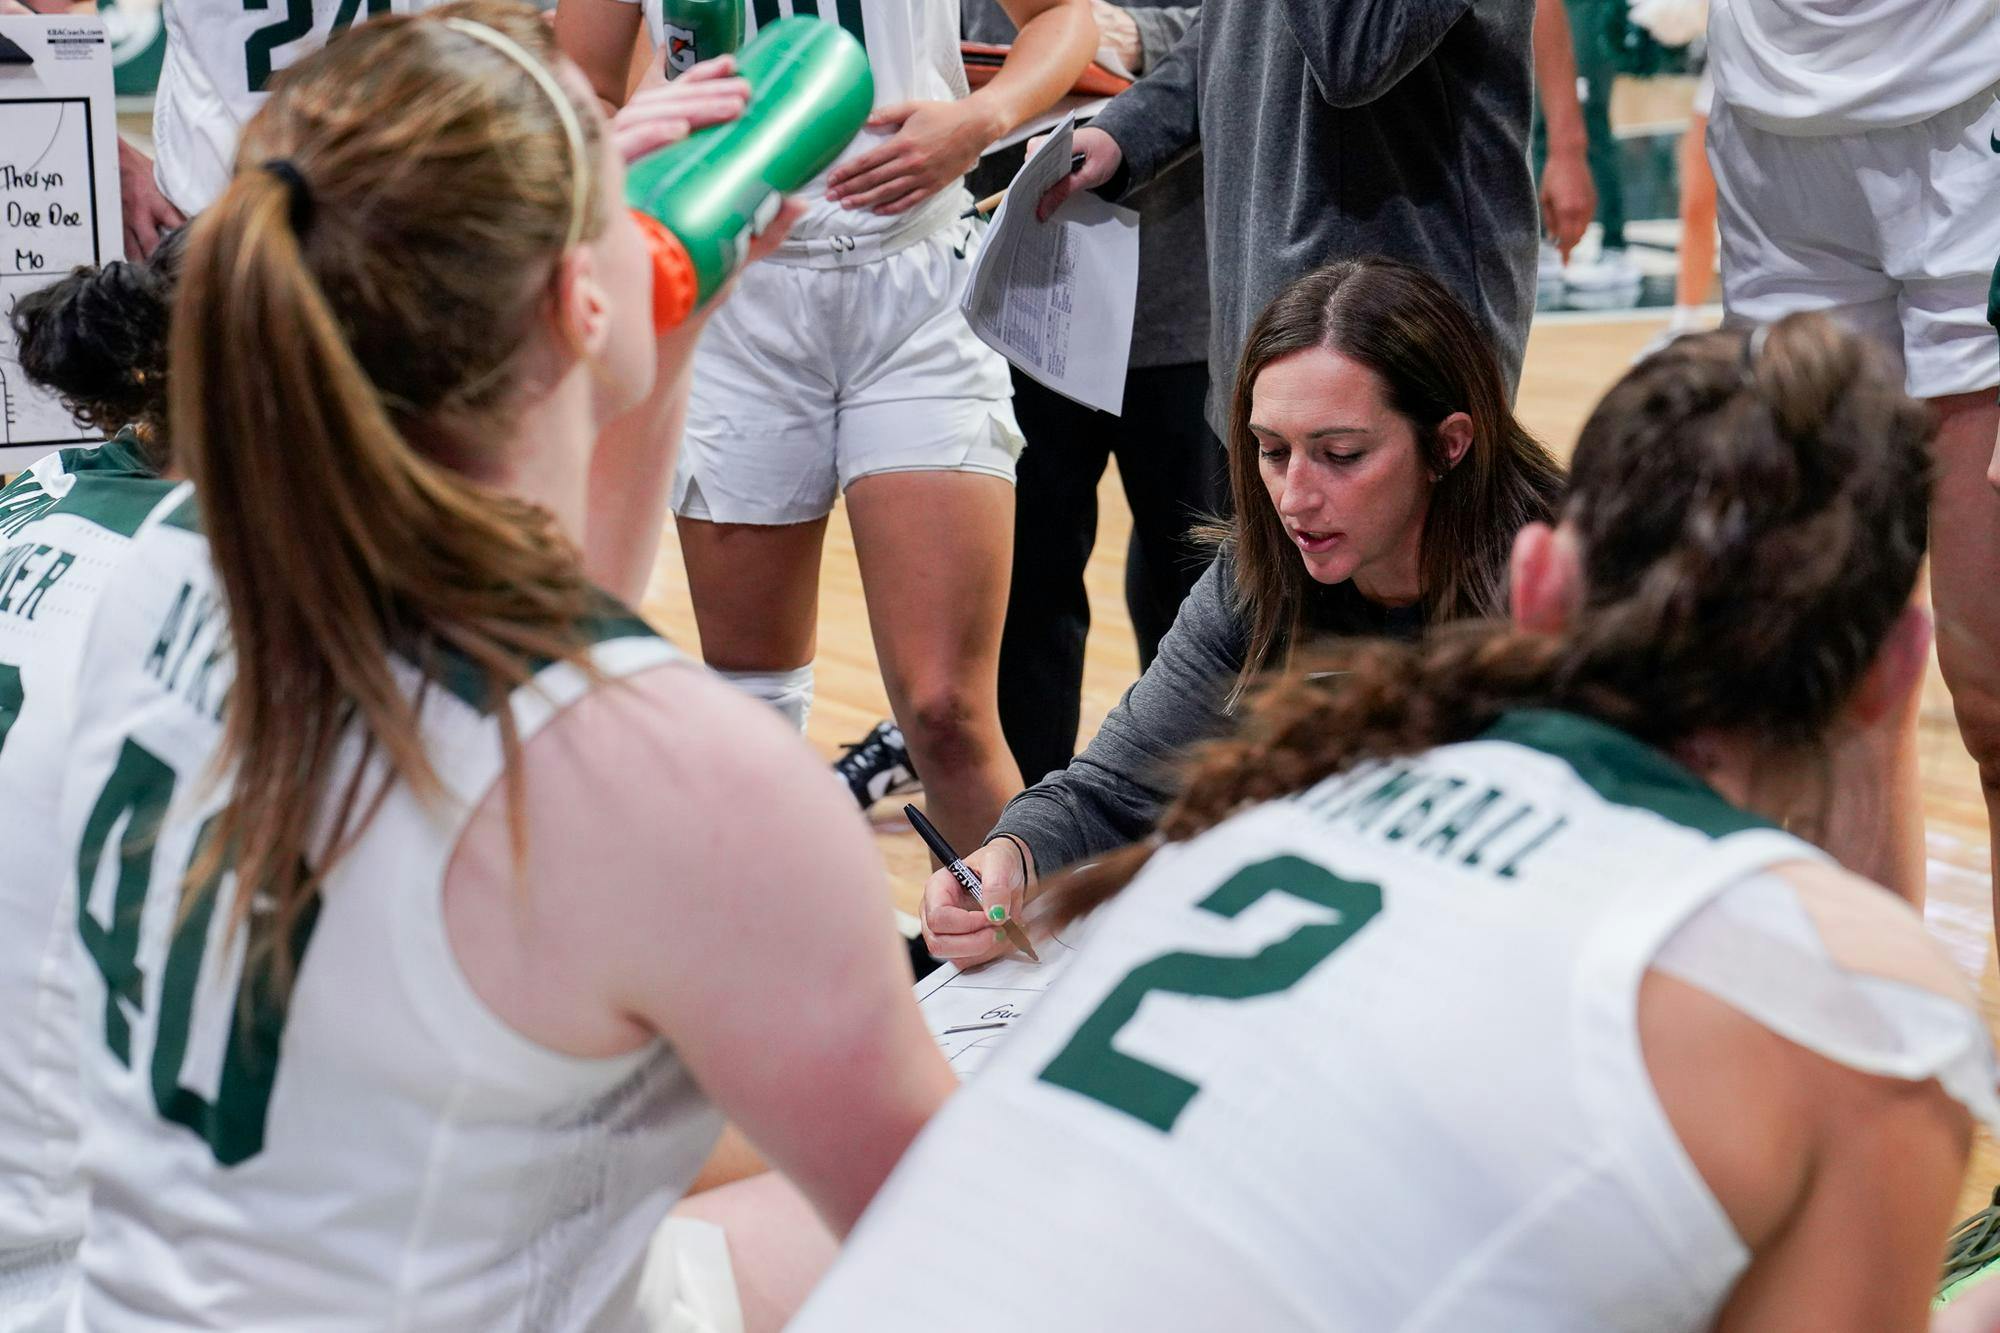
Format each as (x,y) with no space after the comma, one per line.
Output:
(1334,129)
(1112,794)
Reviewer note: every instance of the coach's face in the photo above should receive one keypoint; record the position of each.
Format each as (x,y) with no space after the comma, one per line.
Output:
(1343,471)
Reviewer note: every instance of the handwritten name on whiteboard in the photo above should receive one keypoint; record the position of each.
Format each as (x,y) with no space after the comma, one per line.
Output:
(58,199)
(48,226)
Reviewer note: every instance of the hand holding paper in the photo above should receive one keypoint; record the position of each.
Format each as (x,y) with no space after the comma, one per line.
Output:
(1101,158)
(1056,298)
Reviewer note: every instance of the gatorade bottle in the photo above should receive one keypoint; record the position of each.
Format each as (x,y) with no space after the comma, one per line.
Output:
(696,30)
(810,93)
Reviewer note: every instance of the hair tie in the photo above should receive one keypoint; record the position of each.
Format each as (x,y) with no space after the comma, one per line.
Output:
(301,211)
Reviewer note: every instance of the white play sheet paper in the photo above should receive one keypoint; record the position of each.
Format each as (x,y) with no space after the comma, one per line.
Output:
(1003,991)
(1056,298)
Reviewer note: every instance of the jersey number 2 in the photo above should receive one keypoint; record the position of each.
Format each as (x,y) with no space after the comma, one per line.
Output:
(125,823)
(1089,1064)
(297,23)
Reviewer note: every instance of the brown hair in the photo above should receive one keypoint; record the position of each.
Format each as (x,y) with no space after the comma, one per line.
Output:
(339,354)
(1751,516)
(1433,360)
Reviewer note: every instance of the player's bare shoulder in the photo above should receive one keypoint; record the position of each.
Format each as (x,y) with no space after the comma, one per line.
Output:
(683,768)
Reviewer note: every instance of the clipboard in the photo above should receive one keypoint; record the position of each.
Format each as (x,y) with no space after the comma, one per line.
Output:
(59,203)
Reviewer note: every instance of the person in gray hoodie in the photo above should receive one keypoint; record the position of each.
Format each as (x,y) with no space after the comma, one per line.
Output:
(1336,129)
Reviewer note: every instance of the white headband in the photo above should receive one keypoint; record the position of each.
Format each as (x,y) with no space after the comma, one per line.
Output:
(572,127)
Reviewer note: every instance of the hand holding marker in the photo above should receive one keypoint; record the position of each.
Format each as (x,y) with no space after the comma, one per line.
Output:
(969,881)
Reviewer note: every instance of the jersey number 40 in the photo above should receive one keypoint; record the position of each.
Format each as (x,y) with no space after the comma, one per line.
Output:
(120,840)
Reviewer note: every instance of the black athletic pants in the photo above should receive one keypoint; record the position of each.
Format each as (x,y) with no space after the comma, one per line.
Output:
(1172,468)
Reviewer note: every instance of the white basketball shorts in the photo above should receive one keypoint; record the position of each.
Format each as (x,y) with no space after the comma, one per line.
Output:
(1895,231)
(812,377)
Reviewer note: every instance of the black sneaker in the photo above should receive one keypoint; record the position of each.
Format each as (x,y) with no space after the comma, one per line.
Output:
(1972,1254)
(877,766)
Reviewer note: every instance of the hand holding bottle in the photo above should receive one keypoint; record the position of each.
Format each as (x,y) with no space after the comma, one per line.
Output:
(662,113)
(712,194)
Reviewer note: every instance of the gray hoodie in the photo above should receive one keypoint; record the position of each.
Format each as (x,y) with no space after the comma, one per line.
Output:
(1113,792)
(1335,129)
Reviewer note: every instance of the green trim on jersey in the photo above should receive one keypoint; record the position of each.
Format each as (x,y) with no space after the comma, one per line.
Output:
(1625,771)
(1993,298)
(115,488)
(186,515)
(121,453)
(465,680)
(453,670)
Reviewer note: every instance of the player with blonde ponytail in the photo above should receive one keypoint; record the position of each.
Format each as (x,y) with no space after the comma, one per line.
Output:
(429,926)
(1474,983)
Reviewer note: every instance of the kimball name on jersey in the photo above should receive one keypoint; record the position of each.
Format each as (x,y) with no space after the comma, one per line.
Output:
(27,571)
(1439,814)
(191,656)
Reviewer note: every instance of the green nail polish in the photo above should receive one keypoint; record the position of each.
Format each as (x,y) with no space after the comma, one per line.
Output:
(997,914)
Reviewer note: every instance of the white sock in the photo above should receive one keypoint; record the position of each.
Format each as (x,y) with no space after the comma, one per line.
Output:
(790,692)
(1686,317)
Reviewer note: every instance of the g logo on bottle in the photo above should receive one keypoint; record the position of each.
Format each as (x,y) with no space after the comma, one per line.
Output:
(681,53)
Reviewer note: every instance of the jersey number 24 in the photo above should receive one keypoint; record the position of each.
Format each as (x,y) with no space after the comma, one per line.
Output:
(297,23)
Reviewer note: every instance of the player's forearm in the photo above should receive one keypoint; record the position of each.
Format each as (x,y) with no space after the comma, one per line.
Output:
(1052,48)
(1555,77)
(632,473)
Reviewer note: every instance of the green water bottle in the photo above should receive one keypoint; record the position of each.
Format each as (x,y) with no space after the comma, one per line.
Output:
(692,31)
(810,93)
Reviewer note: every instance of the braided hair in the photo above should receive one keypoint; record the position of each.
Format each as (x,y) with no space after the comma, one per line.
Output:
(1750,511)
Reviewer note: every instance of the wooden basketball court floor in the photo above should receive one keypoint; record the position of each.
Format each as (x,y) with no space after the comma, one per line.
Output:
(1570,362)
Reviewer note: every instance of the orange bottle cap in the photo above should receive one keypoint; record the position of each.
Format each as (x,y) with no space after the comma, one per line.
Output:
(676,286)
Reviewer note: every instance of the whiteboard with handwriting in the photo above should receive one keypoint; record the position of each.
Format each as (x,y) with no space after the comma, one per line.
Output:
(58,197)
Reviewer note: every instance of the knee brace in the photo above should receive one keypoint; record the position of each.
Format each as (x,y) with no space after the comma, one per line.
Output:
(790,692)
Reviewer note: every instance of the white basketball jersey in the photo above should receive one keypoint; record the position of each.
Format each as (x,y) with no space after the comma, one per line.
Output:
(1363,1059)
(64,524)
(219,60)
(383,1152)
(1851,66)
(913,53)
